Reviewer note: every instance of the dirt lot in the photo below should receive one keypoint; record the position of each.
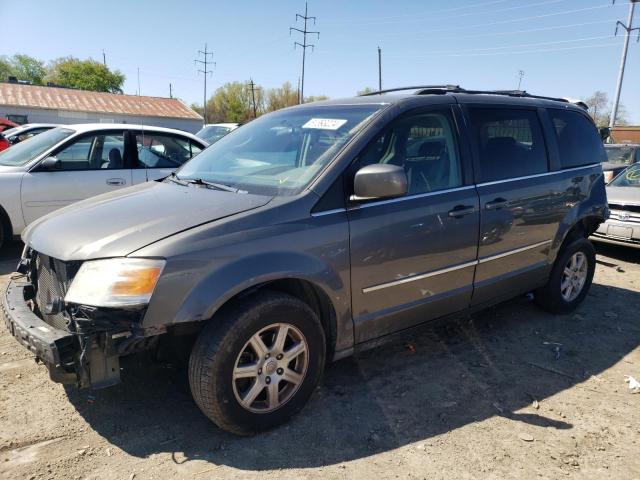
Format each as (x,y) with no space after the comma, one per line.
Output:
(509,393)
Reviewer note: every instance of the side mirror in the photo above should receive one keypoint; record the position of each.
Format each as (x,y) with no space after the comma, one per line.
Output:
(379,181)
(50,163)
(605,133)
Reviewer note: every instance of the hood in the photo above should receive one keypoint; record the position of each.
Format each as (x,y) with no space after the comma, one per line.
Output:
(623,195)
(121,222)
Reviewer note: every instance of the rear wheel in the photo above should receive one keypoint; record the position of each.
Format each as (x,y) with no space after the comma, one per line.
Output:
(256,365)
(570,278)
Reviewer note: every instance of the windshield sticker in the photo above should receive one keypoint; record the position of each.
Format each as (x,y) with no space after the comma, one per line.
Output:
(324,123)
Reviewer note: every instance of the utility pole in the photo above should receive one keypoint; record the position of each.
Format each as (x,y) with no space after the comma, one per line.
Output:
(253,97)
(170,92)
(628,28)
(520,77)
(104,58)
(205,71)
(379,69)
(304,45)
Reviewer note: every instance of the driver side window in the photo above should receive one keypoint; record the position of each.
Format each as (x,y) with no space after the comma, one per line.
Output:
(425,146)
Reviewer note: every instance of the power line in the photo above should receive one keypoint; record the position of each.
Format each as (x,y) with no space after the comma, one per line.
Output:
(403,33)
(430,12)
(628,28)
(206,55)
(304,45)
(489,49)
(413,19)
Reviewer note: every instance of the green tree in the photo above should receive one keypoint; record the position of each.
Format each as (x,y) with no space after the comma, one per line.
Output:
(233,102)
(315,98)
(85,75)
(277,98)
(366,90)
(23,67)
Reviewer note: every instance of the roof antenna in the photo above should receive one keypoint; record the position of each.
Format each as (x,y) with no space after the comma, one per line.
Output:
(146,173)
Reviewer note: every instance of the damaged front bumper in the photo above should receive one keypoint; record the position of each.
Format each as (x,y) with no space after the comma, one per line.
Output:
(89,358)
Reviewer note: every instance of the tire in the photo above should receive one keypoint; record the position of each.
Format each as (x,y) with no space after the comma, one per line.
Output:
(2,234)
(226,343)
(551,297)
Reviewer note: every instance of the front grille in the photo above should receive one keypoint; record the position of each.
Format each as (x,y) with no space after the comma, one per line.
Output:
(53,278)
(625,208)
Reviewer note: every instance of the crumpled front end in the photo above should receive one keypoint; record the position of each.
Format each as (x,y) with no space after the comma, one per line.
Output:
(79,344)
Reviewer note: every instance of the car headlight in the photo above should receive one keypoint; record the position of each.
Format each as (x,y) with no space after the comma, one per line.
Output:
(115,282)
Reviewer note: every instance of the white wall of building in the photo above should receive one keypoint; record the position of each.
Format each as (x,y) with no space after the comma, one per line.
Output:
(64,117)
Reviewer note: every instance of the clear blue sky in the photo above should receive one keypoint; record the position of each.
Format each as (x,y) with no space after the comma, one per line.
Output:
(565,47)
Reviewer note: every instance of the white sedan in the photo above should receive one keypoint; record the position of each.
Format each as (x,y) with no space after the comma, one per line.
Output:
(70,163)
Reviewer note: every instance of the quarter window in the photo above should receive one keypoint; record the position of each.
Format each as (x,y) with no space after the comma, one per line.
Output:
(425,145)
(509,143)
(578,140)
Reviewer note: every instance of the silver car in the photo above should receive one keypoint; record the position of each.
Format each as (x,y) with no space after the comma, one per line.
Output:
(623,225)
(71,163)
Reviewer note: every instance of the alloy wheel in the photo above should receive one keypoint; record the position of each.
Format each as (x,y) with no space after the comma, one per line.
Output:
(270,368)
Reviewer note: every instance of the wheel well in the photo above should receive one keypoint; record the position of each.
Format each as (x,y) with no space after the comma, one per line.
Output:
(310,294)
(6,225)
(583,228)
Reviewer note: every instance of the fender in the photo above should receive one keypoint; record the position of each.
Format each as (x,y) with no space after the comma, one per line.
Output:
(594,206)
(217,287)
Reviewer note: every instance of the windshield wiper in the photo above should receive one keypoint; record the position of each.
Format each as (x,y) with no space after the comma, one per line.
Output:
(206,183)
(175,179)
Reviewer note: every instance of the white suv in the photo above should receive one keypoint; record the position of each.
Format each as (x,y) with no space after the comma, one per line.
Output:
(70,163)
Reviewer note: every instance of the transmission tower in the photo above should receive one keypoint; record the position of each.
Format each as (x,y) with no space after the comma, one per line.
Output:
(628,28)
(304,45)
(206,55)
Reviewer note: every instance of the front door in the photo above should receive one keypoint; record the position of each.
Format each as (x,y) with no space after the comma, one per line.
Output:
(90,164)
(519,206)
(413,257)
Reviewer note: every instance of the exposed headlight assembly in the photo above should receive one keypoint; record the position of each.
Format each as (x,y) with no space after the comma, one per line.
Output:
(115,282)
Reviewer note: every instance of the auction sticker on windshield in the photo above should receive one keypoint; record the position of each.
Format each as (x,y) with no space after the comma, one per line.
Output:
(324,123)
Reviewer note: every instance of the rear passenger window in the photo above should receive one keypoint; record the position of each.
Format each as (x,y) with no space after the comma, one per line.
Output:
(510,143)
(579,142)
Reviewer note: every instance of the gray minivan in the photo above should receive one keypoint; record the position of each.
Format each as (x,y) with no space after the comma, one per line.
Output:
(314,232)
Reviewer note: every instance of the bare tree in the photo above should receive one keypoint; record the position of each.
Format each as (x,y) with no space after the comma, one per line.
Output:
(600,109)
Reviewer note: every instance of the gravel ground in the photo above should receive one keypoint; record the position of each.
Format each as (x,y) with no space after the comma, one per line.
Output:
(511,392)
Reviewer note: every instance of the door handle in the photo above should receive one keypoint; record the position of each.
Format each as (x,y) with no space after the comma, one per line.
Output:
(461,210)
(496,204)
(116,181)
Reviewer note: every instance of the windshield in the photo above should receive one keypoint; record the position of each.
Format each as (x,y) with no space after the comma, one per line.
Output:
(279,153)
(619,155)
(628,178)
(213,133)
(23,152)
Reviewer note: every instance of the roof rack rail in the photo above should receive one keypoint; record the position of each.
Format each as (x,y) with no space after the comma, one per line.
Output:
(421,88)
(442,89)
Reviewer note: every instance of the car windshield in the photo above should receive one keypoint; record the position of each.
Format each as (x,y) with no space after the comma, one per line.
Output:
(619,155)
(213,133)
(279,153)
(23,152)
(628,178)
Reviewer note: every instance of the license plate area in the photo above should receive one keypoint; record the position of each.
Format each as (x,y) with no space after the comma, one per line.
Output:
(620,232)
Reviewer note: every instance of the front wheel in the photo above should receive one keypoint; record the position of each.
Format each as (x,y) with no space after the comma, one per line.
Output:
(256,365)
(570,278)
